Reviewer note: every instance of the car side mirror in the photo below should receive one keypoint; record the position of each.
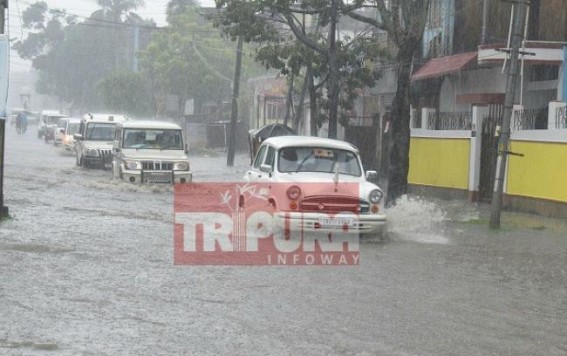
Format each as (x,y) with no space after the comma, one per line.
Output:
(78,137)
(266,168)
(62,130)
(186,149)
(371,175)
(117,149)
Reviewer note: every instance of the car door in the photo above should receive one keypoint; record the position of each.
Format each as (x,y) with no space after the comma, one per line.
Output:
(254,174)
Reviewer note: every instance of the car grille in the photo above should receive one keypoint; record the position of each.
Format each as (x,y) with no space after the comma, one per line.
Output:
(106,155)
(157,166)
(329,204)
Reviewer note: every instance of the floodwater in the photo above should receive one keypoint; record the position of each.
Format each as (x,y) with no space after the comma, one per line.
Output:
(86,268)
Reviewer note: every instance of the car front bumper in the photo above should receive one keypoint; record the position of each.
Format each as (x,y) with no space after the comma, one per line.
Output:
(323,223)
(157,177)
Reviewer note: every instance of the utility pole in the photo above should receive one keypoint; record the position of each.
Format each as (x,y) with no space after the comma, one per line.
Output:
(3,209)
(518,18)
(234,111)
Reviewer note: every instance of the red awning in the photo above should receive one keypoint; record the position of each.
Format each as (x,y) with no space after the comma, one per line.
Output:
(437,67)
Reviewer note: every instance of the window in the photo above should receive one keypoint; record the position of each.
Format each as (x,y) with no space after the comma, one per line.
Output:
(270,157)
(153,139)
(259,157)
(318,159)
(99,132)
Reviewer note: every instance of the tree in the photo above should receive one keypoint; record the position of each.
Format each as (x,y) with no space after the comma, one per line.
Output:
(114,13)
(404,21)
(71,56)
(189,60)
(263,21)
(126,92)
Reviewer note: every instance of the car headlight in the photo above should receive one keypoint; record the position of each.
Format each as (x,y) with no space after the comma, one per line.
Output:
(92,153)
(131,165)
(375,196)
(181,166)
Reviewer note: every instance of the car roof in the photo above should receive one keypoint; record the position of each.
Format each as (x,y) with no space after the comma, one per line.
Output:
(149,124)
(51,112)
(74,120)
(98,117)
(309,141)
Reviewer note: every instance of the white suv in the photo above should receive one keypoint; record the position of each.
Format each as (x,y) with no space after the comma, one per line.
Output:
(150,152)
(93,143)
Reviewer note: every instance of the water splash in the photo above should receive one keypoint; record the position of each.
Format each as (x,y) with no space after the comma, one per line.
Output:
(416,219)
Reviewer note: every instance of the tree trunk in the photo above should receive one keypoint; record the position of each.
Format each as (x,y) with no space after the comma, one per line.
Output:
(299,110)
(400,126)
(313,110)
(334,87)
(289,98)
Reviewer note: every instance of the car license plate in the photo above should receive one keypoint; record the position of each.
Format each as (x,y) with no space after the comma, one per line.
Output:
(158,177)
(336,222)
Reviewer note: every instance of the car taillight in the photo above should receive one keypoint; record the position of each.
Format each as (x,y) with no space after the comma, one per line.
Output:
(293,192)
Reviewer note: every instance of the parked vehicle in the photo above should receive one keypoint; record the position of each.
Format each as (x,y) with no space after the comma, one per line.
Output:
(48,123)
(150,152)
(64,134)
(315,173)
(94,140)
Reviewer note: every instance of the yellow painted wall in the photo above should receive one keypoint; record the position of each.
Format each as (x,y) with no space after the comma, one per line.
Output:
(439,162)
(541,173)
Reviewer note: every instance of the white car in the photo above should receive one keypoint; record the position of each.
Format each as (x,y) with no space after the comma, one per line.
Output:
(48,124)
(320,176)
(150,152)
(64,134)
(93,142)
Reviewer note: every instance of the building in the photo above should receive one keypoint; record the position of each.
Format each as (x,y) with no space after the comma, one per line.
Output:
(459,97)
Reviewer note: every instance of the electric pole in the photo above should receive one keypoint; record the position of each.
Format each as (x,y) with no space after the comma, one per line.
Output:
(3,209)
(234,112)
(518,18)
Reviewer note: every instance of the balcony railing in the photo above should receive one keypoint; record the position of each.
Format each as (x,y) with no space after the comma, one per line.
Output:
(450,120)
(561,118)
(529,119)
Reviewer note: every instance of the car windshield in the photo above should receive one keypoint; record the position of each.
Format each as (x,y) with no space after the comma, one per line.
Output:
(72,129)
(52,120)
(318,159)
(153,139)
(99,131)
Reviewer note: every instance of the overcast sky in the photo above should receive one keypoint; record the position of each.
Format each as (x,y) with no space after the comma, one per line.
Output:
(154,9)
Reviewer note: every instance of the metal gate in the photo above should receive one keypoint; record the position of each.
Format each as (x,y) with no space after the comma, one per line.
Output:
(489,150)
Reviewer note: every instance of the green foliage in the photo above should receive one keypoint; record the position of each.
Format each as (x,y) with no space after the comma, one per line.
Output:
(126,92)
(267,23)
(190,59)
(72,57)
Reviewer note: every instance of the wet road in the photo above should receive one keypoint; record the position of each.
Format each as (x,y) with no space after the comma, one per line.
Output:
(86,268)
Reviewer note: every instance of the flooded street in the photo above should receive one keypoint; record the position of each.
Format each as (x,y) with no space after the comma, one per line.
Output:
(86,268)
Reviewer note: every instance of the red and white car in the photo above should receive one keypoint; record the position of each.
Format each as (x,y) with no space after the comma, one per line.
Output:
(325,186)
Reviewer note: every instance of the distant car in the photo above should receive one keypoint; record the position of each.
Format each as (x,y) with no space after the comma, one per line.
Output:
(60,131)
(150,152)
(315,172)
(48,123)
(64,134)
(93,142)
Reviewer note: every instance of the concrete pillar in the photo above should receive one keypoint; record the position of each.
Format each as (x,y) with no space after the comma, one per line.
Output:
(425,118)
(478,113)
(552,116)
